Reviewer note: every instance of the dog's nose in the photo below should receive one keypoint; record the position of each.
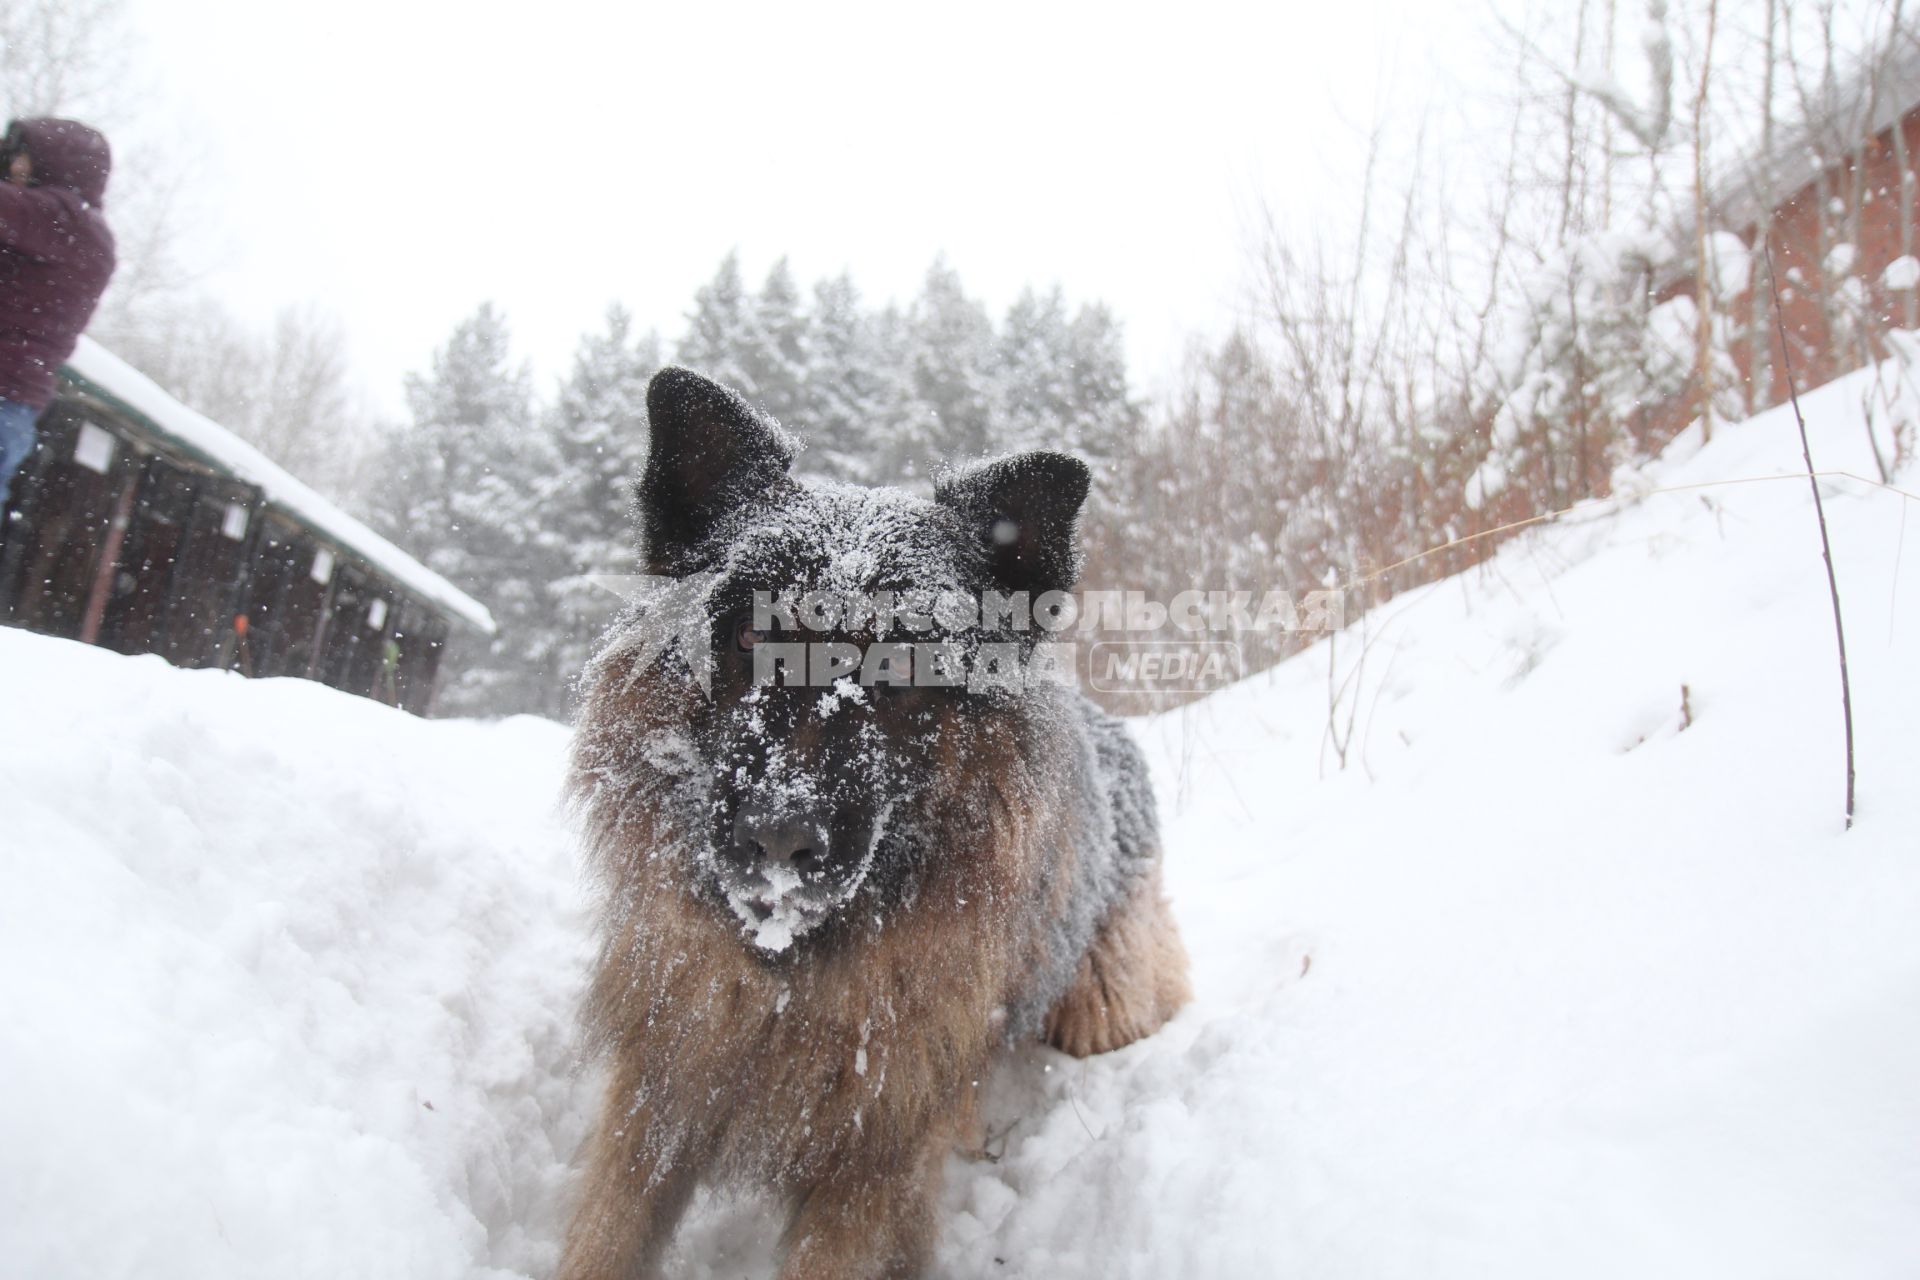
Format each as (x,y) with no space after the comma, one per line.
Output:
(780,837)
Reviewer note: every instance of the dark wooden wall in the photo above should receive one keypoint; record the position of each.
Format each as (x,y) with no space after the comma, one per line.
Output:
(113,540)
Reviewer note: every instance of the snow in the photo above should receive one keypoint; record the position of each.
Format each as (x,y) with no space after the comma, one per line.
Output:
(1487,481)
(1673,329)
(774,910)
(1570,971)
(776,904)
(1902,273)
(1731,269)
(107,372)
(845,690)
(289,978)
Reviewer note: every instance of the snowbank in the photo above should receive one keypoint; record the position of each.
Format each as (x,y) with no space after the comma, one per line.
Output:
(288,979)
(1555,977)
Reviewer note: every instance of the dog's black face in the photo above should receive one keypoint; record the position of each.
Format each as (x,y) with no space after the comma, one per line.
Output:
(830,723)
(817,775)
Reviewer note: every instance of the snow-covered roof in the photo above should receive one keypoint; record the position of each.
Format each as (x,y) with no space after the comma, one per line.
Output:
(99,370)
(1881,88)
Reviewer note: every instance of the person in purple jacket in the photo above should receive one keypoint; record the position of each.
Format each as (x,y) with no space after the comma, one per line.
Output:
(56,256)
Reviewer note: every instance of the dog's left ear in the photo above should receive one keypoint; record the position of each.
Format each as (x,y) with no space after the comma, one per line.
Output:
(1023,509)
(710,453)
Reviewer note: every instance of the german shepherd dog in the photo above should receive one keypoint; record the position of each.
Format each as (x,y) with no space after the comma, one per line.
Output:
(828,910)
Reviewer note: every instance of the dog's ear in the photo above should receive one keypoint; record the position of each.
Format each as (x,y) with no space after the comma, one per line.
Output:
(710,453)
(1023,509)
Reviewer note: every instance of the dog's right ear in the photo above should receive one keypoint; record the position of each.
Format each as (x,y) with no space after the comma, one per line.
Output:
(710,453)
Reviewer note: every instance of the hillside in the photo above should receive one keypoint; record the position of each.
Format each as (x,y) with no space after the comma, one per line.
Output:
(1541,983)
(1554,977)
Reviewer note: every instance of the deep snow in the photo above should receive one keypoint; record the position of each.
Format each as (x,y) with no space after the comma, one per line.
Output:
(1541,983)
(287,978)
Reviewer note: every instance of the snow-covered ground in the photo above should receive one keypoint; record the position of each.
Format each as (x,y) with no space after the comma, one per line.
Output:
(285,979)
(1542,983)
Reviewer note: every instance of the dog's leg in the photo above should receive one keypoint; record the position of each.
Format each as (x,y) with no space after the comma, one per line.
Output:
(1132,979)
(872,1221)
(635,1189)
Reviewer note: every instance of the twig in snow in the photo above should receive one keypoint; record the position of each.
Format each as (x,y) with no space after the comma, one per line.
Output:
(1820,514)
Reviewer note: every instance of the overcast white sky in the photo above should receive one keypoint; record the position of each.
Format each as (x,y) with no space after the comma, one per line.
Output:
(399,163)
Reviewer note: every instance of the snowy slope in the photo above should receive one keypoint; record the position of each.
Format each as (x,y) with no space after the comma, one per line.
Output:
(1541,983)
(287,978)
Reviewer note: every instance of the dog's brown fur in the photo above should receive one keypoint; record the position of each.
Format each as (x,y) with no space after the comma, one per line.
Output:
(724,1066)
(1130,982)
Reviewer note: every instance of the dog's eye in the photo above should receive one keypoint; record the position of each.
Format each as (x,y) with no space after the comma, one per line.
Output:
(745,636)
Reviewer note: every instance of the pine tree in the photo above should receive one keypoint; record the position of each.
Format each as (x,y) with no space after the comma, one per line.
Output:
(459,493)
(859,401)
(1034,374)
(1103,426)
(721,331)
(1106,419)
(598,433)
(952,350)
(901,437)
(775,352)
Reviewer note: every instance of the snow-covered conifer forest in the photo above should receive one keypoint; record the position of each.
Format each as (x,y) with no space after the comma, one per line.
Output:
(1552,915)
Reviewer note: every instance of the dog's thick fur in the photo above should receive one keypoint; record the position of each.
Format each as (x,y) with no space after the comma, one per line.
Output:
(1003,881)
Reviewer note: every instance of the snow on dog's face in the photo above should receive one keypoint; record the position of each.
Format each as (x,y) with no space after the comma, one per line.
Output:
(832,732)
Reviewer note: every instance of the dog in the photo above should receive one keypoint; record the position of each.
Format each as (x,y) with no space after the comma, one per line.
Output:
(830,904)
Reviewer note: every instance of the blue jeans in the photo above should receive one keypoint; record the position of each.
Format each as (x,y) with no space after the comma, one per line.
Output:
(16,442)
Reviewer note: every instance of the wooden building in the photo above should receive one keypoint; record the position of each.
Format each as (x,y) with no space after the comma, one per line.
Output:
(1837,197)
(143,527)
